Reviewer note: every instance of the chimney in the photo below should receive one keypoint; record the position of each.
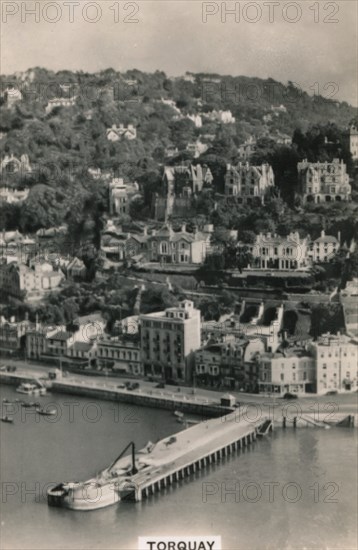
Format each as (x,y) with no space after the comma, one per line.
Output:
(145,231)
(183,228)
(339,237)
(323,233)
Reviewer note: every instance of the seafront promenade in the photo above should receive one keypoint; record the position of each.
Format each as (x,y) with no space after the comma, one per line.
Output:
(108,389)
(200,402)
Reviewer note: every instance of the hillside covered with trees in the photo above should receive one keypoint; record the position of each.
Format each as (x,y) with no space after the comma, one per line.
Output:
(62,143)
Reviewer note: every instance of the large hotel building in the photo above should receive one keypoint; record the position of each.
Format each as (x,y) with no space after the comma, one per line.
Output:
(168,341)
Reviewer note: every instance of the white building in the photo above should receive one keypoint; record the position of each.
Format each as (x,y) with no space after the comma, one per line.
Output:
(181,247)
(12,165)
(336,359)
(324,248)
(41,278)
(323,181)
(277,109)
(168,341)
(196,119)
(115,133)
(120,195)
(9,195)
(287,371)
(120,354)
(223,117)
(60,102)
(352,139)
(12,95)
(197,148)
(270,251)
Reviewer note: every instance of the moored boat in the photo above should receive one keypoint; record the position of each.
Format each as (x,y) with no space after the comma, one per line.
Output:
(31,389)
(44,412)
(102,490)
(7,419)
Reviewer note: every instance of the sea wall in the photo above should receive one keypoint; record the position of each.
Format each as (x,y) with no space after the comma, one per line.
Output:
(182,403)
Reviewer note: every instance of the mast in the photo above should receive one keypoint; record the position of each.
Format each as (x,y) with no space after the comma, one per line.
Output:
(134,469)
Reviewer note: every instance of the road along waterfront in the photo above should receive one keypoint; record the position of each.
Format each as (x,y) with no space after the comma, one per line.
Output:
(202,402)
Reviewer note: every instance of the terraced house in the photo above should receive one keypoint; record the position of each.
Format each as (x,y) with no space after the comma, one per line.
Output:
(119,354)
(229,363)
(287,370)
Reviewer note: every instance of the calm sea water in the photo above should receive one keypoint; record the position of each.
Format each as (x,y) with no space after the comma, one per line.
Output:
(294,490)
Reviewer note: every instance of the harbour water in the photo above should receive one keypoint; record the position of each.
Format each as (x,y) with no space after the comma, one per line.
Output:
(294,489)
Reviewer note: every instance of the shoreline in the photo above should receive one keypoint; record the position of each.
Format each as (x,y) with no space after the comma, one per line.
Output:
(295,413)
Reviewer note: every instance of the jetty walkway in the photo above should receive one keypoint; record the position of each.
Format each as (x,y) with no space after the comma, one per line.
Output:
(188,451)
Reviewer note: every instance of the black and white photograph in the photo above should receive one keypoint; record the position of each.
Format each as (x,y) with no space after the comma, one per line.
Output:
(178,275)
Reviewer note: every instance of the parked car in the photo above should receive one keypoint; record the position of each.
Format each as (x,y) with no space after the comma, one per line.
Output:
(170,382)
(132,385)
(160,385)
(332,392)
(121,386)
(11,368)
(289,395)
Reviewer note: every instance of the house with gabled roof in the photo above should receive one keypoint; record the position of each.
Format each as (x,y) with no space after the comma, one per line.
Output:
(116,133)
(120,195)
(186,178)
(323,181)
(76,269)
(272,251)
(248,183)
(324,248)
(12,95)
(182,247)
